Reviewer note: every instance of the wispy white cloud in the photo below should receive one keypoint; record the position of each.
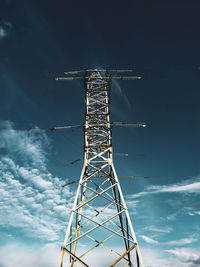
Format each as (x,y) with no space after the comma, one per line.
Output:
(191,211)
(175,243)
(120,104)
(171,217)
(132,205)
(163,229)
(5,28)
(187,187)
(149,240)
(3,32)
(181,242)
(8,23)
(121,93)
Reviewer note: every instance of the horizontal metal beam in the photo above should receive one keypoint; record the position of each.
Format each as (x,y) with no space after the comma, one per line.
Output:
(99,70)
(65,127)
(95,78)
(138,124)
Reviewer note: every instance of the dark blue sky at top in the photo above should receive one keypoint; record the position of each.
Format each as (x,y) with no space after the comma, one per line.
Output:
(160,41)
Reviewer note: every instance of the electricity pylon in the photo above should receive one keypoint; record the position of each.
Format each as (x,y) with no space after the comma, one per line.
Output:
(99,217)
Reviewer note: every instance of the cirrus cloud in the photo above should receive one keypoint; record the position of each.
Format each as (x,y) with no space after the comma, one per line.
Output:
(191,186)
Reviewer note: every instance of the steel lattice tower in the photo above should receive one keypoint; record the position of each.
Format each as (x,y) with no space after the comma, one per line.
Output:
(99,218)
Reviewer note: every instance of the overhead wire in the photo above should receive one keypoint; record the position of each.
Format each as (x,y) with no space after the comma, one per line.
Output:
(37,128)
(73,162)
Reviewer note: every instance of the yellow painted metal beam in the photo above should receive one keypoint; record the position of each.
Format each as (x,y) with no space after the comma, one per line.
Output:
(124,254)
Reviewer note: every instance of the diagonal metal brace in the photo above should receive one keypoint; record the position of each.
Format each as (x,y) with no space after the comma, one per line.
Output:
(75,257)
(124,254)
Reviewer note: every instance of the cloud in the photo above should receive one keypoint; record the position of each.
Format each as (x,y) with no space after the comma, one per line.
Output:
(172,217)
(121,93)
(7,23)
(163,229)
(48,255)
(149,240)
(26,199)
(181,242)
(5,28)
(26,145)
(186,187)
(3,32)
(175,243)
(191,211)
(184,257)
(153,257)
(190,256)
(132,205)
(120,104)
(31,256)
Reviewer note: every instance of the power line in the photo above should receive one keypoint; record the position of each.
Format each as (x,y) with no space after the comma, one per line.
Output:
(65,127)
(38,129)
(101,70)
(91,78)
(73,162)
(121,154)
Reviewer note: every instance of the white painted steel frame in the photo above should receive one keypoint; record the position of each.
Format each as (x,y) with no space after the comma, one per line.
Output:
(99,171)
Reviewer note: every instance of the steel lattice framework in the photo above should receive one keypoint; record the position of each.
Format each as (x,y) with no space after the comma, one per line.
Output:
(99,218)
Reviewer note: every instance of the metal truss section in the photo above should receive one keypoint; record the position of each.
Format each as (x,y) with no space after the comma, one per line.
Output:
(99,223)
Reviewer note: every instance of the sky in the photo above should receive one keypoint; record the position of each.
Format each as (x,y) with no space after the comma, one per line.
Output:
(158,40)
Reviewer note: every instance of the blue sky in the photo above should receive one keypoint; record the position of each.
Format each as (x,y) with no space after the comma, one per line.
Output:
(159,40)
